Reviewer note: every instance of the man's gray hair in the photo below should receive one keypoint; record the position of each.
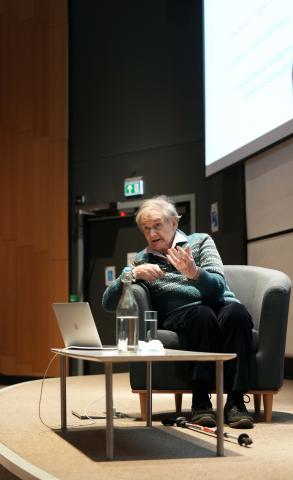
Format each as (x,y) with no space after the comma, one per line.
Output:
(161,204)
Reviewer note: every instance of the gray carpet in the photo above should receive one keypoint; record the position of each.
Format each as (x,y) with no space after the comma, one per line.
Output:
(140,452)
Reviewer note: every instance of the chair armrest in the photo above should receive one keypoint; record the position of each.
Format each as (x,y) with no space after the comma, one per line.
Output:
(272,334)
(169,339)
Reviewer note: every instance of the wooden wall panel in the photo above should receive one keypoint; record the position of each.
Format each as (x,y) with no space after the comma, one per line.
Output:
(8,185)
(3,63)
(33,181)
(25,300)
(24,10)
(3,6)
(41,314)
(8,290)
(8,364)
(58,89)
(42,12)
(41,193)
(58,235)
(24,62)
(24,190)
(57,13)
(9,71)
(41,81)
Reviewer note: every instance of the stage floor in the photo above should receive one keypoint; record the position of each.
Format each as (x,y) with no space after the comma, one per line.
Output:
(36,448)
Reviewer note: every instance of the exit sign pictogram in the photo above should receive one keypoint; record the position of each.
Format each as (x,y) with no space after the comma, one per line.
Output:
(133,186)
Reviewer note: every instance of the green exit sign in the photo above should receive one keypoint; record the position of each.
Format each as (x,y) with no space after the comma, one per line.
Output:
(133,186)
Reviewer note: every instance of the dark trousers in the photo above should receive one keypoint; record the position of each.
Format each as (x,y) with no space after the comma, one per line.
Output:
(226,329)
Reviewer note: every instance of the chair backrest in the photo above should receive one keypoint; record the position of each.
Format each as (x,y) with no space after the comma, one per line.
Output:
(252,286)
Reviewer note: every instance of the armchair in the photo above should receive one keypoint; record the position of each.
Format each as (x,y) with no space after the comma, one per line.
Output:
(266,294)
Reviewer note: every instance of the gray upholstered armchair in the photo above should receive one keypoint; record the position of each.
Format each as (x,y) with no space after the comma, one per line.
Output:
(266,294)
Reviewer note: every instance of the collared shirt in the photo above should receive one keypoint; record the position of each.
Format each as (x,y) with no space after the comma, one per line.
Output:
(179,238)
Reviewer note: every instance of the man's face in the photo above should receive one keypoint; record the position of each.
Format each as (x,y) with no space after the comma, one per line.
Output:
(159,233)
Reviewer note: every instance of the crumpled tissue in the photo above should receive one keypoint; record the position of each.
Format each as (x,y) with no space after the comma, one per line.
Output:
(151,346)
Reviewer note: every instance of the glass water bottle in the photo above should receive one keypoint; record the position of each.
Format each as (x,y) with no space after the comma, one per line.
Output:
(127,316)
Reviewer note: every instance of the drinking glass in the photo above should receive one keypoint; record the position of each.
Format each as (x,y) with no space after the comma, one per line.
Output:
(150,324)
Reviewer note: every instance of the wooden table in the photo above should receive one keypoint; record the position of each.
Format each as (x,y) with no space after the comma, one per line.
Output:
(108,357)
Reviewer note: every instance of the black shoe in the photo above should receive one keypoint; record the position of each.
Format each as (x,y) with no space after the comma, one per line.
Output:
(204,415)
(202,411)
(236,414)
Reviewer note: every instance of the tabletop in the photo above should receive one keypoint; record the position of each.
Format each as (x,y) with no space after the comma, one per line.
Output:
(115,356)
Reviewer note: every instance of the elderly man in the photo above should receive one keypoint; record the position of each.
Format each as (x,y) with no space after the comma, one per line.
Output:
(185,277)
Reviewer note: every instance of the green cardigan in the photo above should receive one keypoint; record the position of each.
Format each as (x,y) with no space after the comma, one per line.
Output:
(174,291)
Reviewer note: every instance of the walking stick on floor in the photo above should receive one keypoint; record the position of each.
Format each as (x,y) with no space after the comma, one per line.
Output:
(243,439)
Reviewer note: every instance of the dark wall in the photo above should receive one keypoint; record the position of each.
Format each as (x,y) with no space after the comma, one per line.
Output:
(136,108)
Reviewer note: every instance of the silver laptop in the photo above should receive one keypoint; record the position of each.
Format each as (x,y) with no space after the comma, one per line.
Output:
(77,326)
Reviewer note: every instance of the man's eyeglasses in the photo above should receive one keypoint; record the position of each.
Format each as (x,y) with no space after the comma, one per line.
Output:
(157,227)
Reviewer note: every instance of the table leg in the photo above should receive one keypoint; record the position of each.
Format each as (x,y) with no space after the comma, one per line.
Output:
(109,412)
(220,413)
(63,392)
(149,394)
